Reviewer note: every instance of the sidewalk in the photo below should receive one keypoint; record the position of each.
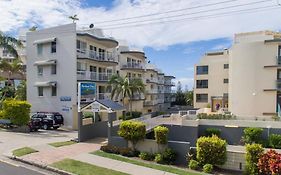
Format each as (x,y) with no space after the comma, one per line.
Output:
(80,151)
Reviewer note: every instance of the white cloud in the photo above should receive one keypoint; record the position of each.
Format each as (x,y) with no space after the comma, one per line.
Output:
(19,13)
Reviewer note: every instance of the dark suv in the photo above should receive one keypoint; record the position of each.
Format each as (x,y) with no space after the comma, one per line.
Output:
(49,119)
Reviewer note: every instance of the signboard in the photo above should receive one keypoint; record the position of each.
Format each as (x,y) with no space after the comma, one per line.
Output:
(95,107)
(65,98)
(85,89)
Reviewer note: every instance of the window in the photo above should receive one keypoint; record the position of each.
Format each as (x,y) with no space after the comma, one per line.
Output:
(201,84)
(53,69)
(200,70)
(225,80)
(5,52)
(53,47)
(81,46)
(202,98)
(40,70)
(81,66)
(39,49)
(226,66)
(54,91)
(40,91)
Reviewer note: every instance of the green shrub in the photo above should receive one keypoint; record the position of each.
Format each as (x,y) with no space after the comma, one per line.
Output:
(169,156)
(146,156)
(110,149)
(211,150)
(87,114)
(212,131)
(132,131)
(16,111)
(253,153)
(128,152)
(216,116)
(161,134)
(159,158)
(208,168)
(252,135)
(275,141)
(127,116)
(193,164)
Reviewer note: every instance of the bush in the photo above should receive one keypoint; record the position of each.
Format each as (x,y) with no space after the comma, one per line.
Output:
(193,164)
(253,153)
(212,131)
(16,111)
(127,116)
(146,156)
(270,163)
(211,150)
(208,168)
(161,134)
(275,141)
(167,157)
(132,131)
(253,135)
(128,152)
(159,158)
(110,149)
(88,114)
(216,116)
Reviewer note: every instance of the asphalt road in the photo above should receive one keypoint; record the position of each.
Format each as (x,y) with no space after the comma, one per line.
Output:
(8,169)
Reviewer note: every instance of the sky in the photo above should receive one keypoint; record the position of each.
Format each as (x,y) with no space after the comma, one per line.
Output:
(174,34)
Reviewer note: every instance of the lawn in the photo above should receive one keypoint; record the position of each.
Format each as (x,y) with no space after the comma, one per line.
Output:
(166,168)
(82,168)
(23,151)
(60,144)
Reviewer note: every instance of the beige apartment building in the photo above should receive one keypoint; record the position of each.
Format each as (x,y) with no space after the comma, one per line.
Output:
(245,79)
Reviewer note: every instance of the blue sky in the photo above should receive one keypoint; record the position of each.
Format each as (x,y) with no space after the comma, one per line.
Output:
(174,46)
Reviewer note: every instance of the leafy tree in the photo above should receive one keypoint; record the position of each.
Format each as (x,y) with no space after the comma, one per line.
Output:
(189,97)
(21,91)
(180,97)
(10,44)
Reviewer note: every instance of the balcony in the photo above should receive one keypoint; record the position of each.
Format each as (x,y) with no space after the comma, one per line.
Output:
(107,58)
(134,66)
(138,97)
(152,80)
(93,76)
(152,91)
(169,83)
(169,91)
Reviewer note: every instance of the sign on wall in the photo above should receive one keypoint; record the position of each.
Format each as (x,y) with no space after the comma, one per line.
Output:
(95,107)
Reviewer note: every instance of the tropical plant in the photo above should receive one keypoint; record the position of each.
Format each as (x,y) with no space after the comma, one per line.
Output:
(275,141)
(208,168)
(10,44)
(189,98)
(193,164)
(252,135)
(161,134)
(21,91)
(253,153)
(270,163)
(125,88)
(11,68)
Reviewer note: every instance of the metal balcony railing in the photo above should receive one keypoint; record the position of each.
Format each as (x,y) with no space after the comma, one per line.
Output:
(94,76)
(98,56)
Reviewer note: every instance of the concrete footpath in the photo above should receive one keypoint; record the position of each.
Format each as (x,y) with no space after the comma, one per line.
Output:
(81,152)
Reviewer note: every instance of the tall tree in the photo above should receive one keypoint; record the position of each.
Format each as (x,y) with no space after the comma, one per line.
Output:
(189,97)
(21,91)
(180,97)
(11,44)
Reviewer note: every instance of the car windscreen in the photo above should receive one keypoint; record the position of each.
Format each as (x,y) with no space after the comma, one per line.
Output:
(58,117)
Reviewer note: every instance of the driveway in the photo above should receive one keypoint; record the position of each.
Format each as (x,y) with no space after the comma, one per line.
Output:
(13,140)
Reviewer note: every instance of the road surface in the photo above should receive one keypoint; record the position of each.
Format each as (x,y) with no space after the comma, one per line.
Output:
(9,169)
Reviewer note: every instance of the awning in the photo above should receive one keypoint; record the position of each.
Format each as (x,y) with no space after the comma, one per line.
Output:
(45,62)
(46,40)
(45,84)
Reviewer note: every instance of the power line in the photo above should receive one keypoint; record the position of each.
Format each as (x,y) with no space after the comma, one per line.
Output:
(170,11)
(187,14)
(258,9)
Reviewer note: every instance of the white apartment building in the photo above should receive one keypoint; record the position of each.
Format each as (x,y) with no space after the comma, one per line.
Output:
(253,75)
(60,57)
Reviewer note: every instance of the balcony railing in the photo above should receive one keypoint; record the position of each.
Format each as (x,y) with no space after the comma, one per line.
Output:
(94,76)
(169,83)
(169,91)
(98,56)
(152,80)
(133,65)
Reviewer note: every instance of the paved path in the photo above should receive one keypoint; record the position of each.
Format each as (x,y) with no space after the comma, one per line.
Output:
(51,155)
(118,165)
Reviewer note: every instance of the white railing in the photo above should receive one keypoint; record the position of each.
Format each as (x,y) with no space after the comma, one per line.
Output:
(169,83)
(133,65)
(94,76)
(98,56)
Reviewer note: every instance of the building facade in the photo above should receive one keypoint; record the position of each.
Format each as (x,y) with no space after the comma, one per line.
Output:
(253,76)
(60,57)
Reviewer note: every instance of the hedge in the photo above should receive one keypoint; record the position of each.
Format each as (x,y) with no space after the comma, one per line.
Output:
(211,150)
(161,134)
(275,141)
(17,111)
(212,131)
(253,135)
(132,131)
(253,153)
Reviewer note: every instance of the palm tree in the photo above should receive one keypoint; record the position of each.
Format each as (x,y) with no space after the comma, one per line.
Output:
(11,68)
(10,44)
(73,18)
(125,88)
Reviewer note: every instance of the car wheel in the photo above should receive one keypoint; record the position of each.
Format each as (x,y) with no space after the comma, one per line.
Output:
(45,126)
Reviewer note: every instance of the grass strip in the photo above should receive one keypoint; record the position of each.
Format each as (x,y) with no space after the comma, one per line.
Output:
(23,151)
(60,144)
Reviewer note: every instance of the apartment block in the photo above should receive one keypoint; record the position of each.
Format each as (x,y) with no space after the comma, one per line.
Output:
(249,71)
(60,57)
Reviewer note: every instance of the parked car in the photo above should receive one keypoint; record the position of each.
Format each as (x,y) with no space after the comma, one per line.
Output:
(49,119)
(34,124)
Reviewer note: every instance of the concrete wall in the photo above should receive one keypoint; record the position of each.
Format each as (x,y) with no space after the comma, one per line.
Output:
(181,148)
(187,133)
(148,145)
